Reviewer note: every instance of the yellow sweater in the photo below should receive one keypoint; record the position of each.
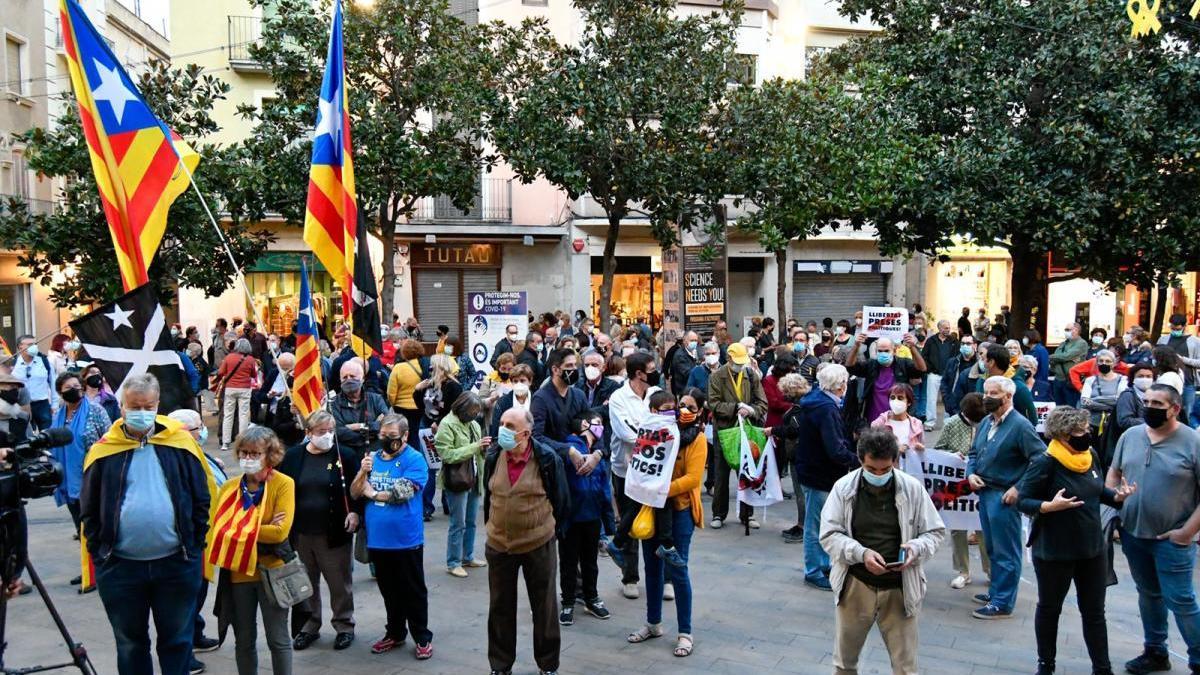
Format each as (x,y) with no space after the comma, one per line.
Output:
(280,496)
(402,384)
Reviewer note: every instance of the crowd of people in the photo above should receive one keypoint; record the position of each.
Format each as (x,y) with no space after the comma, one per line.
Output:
(542,443)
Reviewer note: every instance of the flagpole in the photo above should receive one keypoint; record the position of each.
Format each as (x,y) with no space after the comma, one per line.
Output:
(221,236)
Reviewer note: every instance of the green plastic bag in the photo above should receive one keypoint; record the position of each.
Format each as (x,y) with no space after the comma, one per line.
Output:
(731,442)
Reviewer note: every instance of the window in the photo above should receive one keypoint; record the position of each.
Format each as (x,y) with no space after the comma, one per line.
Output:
(15,65)
(20,176)
(744,70)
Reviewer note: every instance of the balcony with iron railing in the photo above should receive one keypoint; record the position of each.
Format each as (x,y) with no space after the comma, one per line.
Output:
(492,204)
(34,207)
(243,33)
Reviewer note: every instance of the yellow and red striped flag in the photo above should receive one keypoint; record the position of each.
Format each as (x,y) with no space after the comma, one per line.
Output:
(331,213)
(135,157)
(308,391)
(233,536)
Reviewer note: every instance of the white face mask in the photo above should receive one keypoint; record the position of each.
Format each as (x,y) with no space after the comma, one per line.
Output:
(750,351)
(898,406)
(323,441)
(250,466)
(592,373)
(1025,341)
(712,359)
(521,389)
(1143,383)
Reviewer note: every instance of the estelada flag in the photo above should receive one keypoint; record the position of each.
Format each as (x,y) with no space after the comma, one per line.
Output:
(136,159)
(233,536)
(308,389)
(331,212)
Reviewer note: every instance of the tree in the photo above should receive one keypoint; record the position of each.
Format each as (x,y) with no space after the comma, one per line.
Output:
(76,233)
(830,158)
(1051,132)
(416,84)
(626,116)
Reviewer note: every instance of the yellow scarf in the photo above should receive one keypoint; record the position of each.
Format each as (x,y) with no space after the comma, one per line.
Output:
(115,441)
(1078,462)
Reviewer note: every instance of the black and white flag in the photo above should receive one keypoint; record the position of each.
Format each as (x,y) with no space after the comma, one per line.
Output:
(129,336)
(364,314)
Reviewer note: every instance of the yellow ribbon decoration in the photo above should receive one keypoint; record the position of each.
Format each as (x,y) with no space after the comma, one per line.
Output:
(1144,16)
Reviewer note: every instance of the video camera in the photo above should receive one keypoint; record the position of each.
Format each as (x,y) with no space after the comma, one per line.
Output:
(31,473)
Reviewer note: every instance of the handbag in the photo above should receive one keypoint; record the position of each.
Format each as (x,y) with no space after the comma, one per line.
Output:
(287,585)
(460,476)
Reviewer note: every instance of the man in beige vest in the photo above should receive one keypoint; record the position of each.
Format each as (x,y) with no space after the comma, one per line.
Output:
(525,506)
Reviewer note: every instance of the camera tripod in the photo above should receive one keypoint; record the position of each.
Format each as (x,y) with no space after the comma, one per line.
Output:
(79,655)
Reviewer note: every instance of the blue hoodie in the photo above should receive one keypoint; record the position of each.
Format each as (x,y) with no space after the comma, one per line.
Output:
(591,495)
(823,452)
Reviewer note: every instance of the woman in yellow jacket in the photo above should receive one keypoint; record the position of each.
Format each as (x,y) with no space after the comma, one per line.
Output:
(241,543)
(402,385)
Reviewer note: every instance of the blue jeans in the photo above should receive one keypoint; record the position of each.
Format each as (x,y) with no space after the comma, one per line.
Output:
(428,493)
(41,415)
(460,543)
(131,590)
(1162,572)
(1189,404)
(918,408)
(816,560)
(1002,539)
(683,526)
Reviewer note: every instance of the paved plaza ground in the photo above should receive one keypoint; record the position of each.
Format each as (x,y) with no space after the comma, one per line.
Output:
(752,614)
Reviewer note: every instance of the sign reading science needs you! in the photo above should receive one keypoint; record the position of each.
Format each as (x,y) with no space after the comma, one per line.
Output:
(488,316)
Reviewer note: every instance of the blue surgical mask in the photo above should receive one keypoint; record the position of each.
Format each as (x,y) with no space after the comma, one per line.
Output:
(140,421)
(203,435)
(875,479)
(1174,333)
(799,347)
(506,438)
(32,350)
(967,351)
(884,358)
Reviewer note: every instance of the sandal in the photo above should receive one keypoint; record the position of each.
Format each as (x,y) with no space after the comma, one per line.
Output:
(644,633)
(683,646)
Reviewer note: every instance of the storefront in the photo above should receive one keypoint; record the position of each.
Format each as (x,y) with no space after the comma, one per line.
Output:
(442,274)
(836,289)
(274,283)
(973,276)
(637,288)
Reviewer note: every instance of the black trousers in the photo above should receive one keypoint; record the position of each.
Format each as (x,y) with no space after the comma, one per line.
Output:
(625,505)
(720,500)
(578,550)
(400,575)
(537,566)
(1054,580)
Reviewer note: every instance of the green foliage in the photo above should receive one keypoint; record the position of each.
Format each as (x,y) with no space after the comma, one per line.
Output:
(1050,130)
(628,116)
(404,59)
(76,233)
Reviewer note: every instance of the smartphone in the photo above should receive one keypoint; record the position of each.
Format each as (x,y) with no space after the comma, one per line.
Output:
(898,563)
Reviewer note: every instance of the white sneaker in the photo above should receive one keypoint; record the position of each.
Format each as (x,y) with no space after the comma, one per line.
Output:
(669,592)
(929,426)
(716,523)
(457,572)
(960,581)
(754,524)
(630,591)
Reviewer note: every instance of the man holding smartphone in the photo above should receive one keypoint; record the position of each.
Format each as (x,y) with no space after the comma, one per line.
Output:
(878,525)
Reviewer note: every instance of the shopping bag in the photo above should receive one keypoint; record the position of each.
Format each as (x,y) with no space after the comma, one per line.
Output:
(643,524)
(731,441)
(758,476)
(652,460)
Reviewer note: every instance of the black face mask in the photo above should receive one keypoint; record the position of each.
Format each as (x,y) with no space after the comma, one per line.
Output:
(1155,417)
(504,376)
(94,381)
(1104,368)
(570,375)
(10,396)
(391,446)
(992,404)
(1080,443)
(654,378)
(72,395)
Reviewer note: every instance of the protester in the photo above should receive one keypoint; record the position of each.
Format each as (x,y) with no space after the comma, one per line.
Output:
(506,345)
(1062,491)
(236,377)
(1096,342)
(402,384)
(97,392)
(957,437)
(878,527)
(459,440)
(1070,352)
(1138,346)
(794,388)
(519,397)
(497,383)
(87,422)
(597,389)
(1188,349)
(355,411)
(701,373)
(999,364)
(144,508)
(880,373)
(531,356)
(823,456)
(1101,391)
(1169,366)
(391,480)
(590,520)
(36,372)
(527,501)
(940,349)
(735,393)
(1004,443)
(557,403)
(267,498)
(958,375)
(982,326)
(687,513)
(627,409)
(1130,403)
(327,516)
(908,430)
(1159,523)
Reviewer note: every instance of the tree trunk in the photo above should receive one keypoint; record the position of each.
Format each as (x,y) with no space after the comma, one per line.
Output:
(387,290)
(1159,313)
(1030,287)
(610,270)
(781,287)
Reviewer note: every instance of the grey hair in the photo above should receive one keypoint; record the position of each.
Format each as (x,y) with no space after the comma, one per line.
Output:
(1064,419)
(1029,362)
(318,418)
(832,377)
(187,417)
(242,346)
(194,350)
(1173,394)
(793,386)
(713,346)
(392,419)
(1006,385)
(140,384)
(1106,352)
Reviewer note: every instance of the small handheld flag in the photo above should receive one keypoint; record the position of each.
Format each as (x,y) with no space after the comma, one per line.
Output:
(308,391)
(135,157)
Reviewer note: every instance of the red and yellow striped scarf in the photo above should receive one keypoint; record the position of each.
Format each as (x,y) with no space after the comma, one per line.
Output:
(233,537)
